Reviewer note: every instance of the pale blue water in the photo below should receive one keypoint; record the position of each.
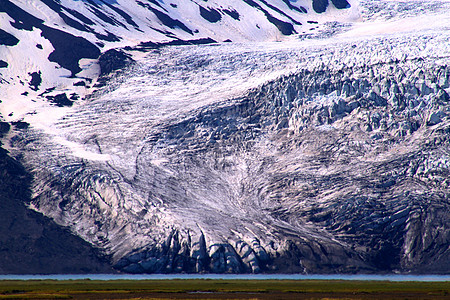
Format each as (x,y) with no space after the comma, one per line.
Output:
(229,276)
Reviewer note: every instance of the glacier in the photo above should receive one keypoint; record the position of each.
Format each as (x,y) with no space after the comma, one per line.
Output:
(326,152)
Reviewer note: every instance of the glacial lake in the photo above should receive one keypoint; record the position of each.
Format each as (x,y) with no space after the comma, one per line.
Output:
(422,278)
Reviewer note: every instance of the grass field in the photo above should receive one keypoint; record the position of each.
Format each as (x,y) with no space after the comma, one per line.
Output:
(221,289)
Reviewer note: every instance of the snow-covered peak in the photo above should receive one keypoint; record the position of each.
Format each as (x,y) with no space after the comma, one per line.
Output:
(49,48)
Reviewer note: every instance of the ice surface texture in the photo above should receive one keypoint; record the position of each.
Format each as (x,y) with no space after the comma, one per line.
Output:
(322,154)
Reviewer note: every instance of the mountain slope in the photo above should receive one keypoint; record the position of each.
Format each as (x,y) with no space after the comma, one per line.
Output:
(50,48)
(31,243)
(326,153)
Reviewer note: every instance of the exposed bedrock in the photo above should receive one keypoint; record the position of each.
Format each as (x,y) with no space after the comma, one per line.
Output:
(31,243)
(321,6)
(330,170)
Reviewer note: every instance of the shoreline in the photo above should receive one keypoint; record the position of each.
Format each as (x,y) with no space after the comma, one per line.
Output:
(260,277)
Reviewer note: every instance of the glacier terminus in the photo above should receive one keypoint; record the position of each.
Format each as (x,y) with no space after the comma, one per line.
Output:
(240,136)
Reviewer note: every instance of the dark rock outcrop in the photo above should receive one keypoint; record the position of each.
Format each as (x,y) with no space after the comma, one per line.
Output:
(31,243)
(7,39)
(60,100)
(210,14)
(321,6)
(69,49)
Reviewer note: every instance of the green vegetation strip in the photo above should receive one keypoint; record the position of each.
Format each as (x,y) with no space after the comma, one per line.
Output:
(30,289)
